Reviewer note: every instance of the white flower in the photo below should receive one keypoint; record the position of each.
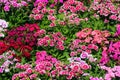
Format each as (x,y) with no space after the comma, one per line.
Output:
(2,35)
(38,79)
(7,70)
(3,23)
(1,29)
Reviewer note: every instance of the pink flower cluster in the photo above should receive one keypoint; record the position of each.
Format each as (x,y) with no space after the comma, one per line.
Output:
(40,10)
(74,69)
(13,3)
(83,56)
(43,65)
(7,61)
(72,6)
(93,36)
(29,73)
(88,40)
(52,67)
(117,30)
(77,46)
(106,9)
(96,78)
(113,52)
(69,8)
(44,62)
(55,39)
(111,72)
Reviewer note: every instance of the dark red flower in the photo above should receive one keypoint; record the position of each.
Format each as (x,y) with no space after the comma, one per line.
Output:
(26,51)
(3,47)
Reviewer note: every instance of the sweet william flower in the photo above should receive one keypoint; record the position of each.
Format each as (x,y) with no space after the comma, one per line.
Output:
(6,8)
(7,70)
(3,23)
(85,66)
(33,76)
(52,24)
(117,30)
(84,55)
(42,1)
(2,35)
(1,70)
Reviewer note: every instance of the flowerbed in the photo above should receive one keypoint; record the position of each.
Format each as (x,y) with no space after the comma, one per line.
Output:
(59,40)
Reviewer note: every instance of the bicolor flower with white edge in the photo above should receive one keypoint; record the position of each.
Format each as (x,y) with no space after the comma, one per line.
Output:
(3,23)
(3,26)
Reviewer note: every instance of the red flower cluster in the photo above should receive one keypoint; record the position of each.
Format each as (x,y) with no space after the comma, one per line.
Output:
(22,38)
(3,47)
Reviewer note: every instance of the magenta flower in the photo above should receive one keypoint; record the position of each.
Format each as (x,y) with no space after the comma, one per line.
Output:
(42,1)
(117,30)
(1,70)
(7,8)
(61,1)
(84,55)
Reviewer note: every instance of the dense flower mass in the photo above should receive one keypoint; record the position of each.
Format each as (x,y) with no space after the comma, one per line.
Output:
(88,40)
(22,38)
(7,61)
(106,9)
(111,72)
(59,40)
(68,11)
(117,30)
(111,52)
(3,47)
(55,39)
(46,64)
(7,4)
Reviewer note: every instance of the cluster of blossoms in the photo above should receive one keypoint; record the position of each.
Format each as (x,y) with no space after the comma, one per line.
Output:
(52,67)
(84,55)
(43,64)
(88,40)
(3,47)
(7,61)
(96,78)
(53,39)
(68,10)
(46,64)
(3,26)
(93,36)
(113,52)
(72,6)
(117,30)
(22,38)
(111,72)
(40,10)
(28,72)
(106,9)
(7,4)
